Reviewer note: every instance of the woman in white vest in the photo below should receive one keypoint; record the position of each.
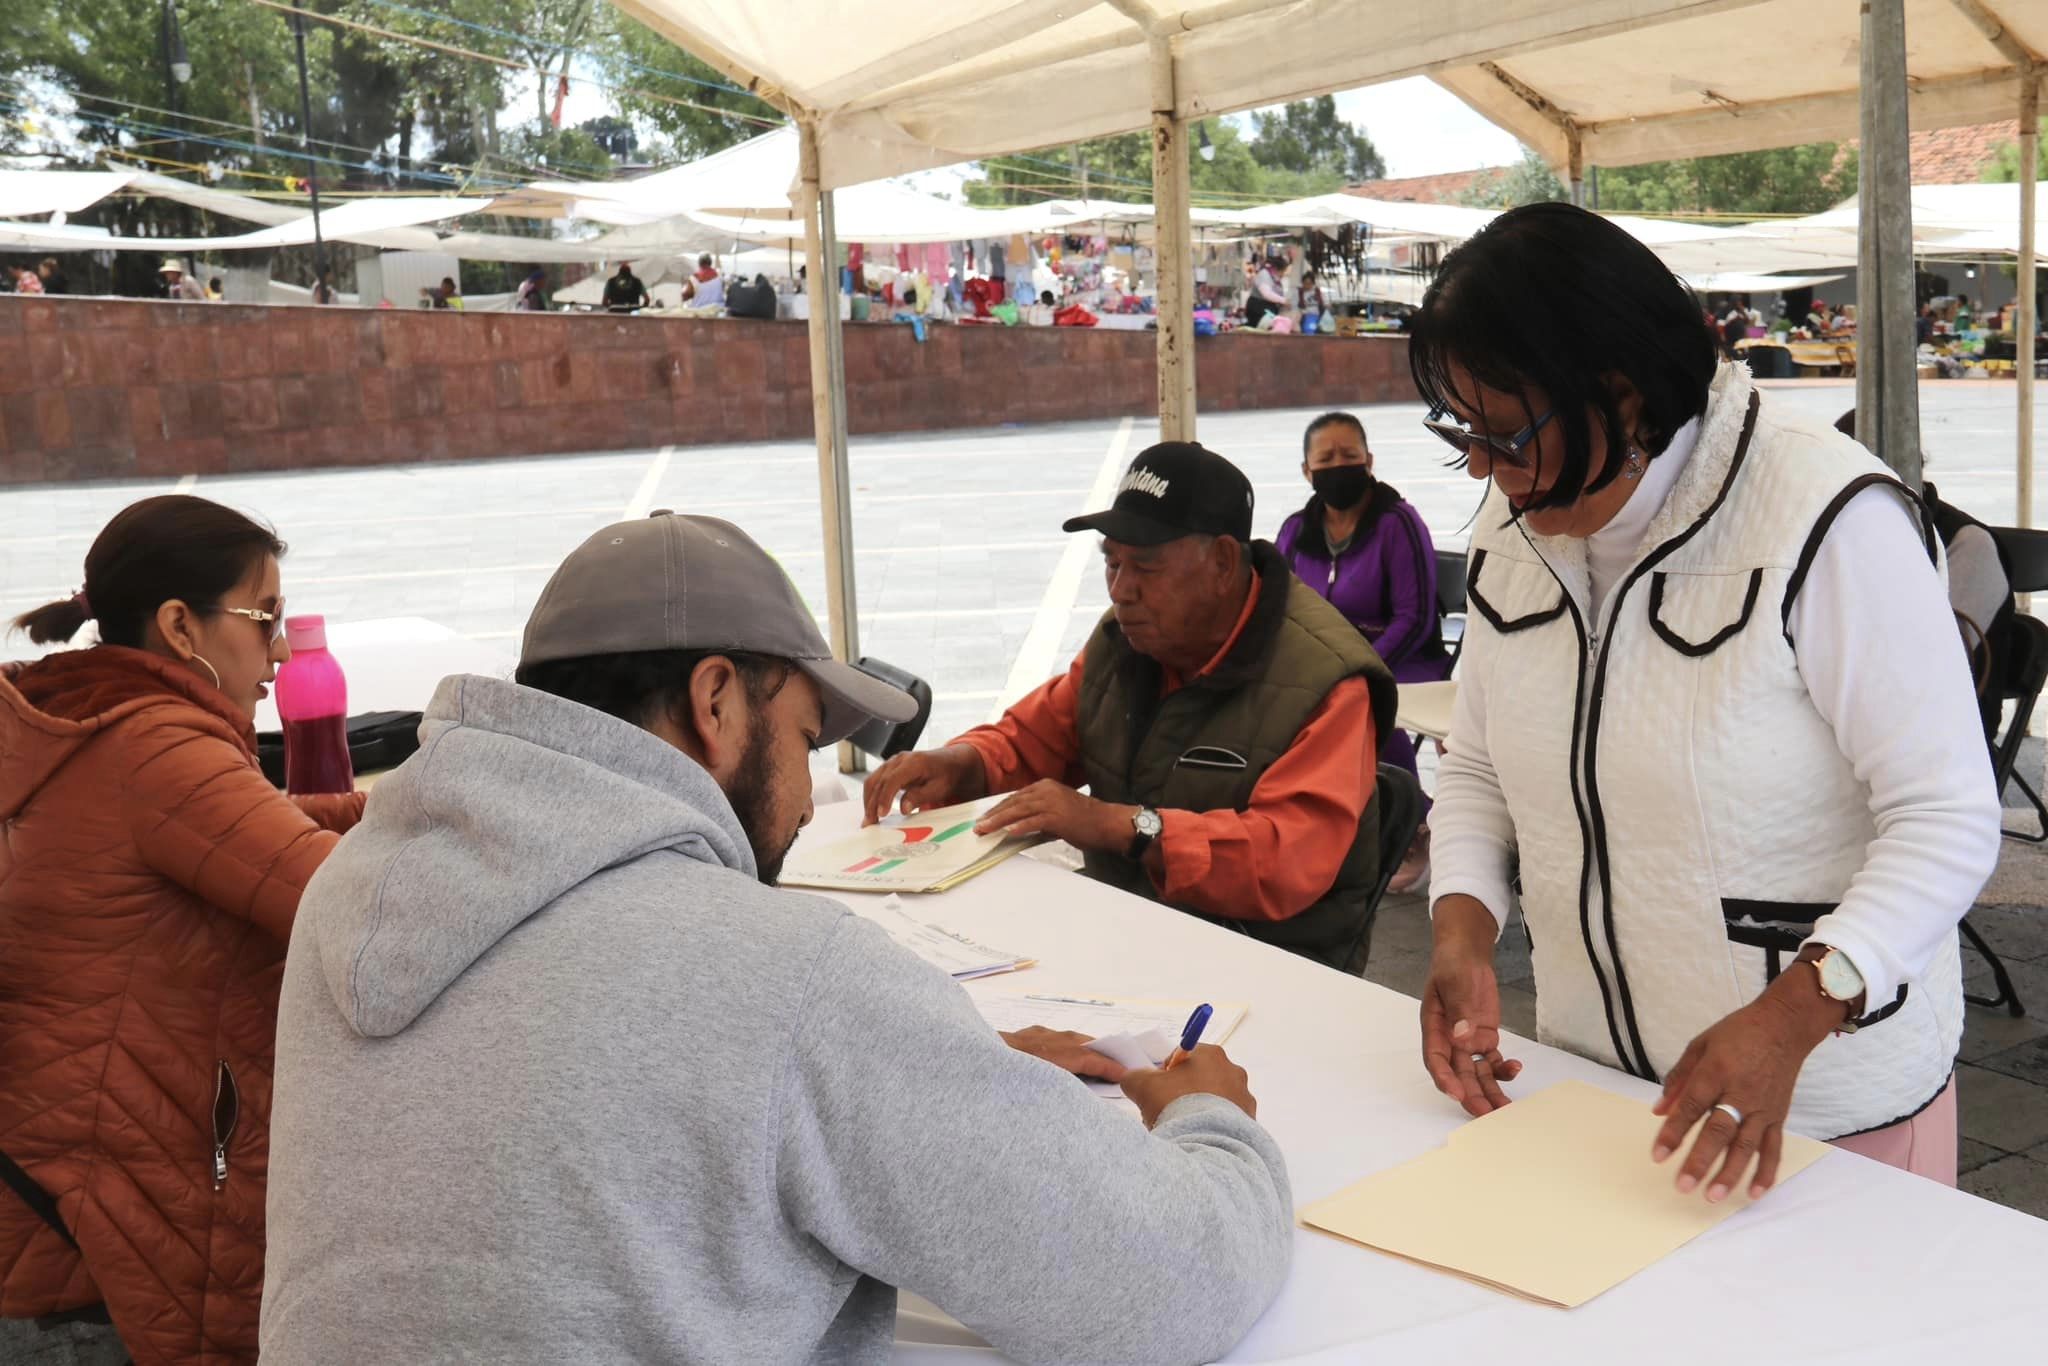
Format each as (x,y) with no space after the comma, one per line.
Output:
(1713,713)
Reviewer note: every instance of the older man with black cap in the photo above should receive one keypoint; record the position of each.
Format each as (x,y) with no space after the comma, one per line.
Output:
(560,1078)
(1223,718)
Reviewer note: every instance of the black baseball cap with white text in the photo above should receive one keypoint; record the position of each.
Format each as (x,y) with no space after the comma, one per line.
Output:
(1175,489)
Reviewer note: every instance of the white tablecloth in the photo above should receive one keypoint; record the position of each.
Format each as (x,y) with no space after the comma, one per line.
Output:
(1849,1262)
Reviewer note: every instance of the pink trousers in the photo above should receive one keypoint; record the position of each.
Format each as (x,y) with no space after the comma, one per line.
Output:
(1924,1145)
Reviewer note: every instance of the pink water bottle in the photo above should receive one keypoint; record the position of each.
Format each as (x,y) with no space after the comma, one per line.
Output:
(312,701)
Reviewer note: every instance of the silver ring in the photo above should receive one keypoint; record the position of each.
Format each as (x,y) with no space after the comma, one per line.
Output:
(1731,1112)
(1478,1057)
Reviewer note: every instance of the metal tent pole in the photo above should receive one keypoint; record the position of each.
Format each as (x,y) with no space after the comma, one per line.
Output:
(2030,143)
(1173,245)
(1887,380)
(828,414)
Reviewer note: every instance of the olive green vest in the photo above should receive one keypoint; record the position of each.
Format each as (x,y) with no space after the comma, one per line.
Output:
(1205,747)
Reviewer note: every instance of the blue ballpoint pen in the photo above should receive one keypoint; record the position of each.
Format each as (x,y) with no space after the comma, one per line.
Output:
(1192,1034)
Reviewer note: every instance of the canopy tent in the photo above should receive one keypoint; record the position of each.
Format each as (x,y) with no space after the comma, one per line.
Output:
(878,87)
(751,192)
(755,176)
(1735,77)
(348,222)
(392,223)
(895,87)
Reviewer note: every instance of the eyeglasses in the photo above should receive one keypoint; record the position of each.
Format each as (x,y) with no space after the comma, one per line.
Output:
(1462,439)
(272,622)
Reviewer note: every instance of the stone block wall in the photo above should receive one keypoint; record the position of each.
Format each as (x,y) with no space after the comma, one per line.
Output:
(96,388)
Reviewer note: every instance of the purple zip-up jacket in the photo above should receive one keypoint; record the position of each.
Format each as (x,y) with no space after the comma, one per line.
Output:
(1384,583)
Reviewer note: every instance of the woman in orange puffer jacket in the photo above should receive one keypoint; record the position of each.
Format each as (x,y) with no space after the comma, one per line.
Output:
(149,875)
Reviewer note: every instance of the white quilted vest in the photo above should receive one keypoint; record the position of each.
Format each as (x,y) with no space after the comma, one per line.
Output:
(1682,812)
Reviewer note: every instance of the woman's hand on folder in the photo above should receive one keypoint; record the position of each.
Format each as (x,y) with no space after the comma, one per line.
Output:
(1208,1071)
(1749,1062)
(1066,1049)
(1461,1009)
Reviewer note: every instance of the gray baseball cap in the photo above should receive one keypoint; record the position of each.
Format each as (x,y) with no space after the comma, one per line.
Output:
(672,582)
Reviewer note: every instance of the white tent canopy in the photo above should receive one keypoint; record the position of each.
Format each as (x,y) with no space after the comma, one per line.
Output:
(898,87)
(880,87)
(1742,75)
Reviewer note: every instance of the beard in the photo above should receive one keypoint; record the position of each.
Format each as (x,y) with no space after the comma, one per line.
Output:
(752,795)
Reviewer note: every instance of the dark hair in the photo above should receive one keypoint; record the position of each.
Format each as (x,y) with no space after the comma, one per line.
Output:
(171,547)
(647,684)
(704,261)
(1495,308)
(1329,420)
(1045,297)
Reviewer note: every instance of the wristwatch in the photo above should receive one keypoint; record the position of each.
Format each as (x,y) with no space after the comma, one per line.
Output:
(1145,827)
(1839,981)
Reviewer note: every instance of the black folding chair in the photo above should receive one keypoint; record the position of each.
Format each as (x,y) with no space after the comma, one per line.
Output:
(1450,599)
(1398,798)
(884,739)
(2023,672)
(2019,674)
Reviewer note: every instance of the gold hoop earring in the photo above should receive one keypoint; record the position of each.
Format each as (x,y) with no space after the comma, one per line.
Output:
(209,668)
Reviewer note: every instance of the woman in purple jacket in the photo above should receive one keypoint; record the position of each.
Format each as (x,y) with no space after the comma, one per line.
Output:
(1364,547)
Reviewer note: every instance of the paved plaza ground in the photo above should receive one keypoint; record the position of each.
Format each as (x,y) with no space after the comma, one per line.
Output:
(965,579)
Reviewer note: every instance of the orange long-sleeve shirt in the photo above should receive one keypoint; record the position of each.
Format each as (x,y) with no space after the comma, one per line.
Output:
(1270,861)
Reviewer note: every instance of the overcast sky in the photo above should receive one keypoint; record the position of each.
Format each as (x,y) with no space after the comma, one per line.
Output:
(1421,128)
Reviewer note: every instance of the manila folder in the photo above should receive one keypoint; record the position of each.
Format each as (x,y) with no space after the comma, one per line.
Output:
(1554,1198)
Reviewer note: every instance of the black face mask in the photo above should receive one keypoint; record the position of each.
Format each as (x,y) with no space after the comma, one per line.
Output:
(1342,487)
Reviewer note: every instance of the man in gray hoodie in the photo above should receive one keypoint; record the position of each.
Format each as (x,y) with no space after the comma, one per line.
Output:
(561,1076)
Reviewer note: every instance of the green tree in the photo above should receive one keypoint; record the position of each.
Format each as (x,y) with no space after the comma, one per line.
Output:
(1120,168)
(571,153)
(1783,180)
(2004,166)
(1528,181)
(687,100)
(1307,136)
(109,55)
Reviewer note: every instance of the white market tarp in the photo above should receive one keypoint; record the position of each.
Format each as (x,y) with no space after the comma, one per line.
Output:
(897,86)
(28,194)
(755,176)
(352,220)
(1738,282)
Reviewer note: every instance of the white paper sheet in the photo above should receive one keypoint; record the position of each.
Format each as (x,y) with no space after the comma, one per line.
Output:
(949,952)
(1128,1021)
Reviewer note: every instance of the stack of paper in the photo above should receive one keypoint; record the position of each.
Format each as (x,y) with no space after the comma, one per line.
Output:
(1134,1031)
(1554,1198)
(943,949)
(929,852)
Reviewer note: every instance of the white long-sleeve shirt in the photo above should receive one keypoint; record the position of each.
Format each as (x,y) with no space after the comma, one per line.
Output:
(1878,650)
